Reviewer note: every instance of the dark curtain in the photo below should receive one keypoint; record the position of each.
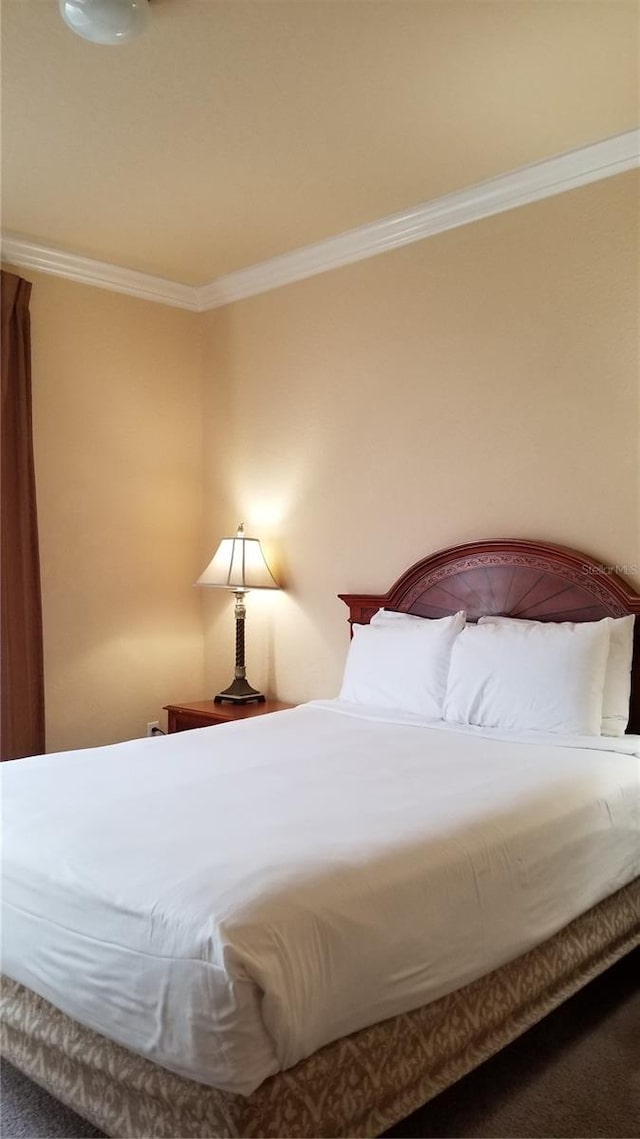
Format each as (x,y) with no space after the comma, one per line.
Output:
(21,658)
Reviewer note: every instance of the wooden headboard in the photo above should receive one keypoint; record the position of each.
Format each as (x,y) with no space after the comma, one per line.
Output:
(513,578)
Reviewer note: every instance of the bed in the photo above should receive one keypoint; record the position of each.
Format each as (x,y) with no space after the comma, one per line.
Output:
(331,1055)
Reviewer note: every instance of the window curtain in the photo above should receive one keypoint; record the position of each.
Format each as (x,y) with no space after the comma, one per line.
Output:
(21,656)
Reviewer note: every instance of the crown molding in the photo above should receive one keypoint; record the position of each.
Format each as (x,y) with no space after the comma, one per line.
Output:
(507,192)
(18,250)
(497,195)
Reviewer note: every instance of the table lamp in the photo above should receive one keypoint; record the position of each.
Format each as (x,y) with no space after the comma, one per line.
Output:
(239,565)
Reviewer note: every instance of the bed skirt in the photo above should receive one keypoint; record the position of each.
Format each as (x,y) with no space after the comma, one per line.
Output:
(357,1086)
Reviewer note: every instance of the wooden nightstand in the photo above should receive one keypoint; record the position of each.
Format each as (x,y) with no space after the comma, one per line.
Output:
(203,713)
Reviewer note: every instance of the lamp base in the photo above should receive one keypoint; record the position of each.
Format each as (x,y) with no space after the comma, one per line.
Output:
(239,692)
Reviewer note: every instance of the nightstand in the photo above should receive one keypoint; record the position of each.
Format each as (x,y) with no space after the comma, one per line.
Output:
(204,713)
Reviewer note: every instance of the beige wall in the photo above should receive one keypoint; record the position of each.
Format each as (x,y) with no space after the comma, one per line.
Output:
(483,383)
(480,383)
(117,434)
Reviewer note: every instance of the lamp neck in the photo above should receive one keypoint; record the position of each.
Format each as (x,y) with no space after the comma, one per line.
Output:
(240,614)
(240,608)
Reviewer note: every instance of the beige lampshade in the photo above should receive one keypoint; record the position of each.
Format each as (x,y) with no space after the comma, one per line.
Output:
(238,563)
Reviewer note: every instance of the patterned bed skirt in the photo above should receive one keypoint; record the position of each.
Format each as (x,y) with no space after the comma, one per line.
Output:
(357,1086)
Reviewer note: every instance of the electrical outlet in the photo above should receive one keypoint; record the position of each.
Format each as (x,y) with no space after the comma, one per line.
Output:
(152,727)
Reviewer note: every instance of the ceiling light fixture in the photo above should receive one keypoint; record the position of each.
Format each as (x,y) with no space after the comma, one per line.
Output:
(105,21)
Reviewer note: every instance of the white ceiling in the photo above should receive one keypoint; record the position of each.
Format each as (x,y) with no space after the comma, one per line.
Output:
(237,130)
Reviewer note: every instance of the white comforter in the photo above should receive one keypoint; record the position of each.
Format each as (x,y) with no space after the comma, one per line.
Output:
(227,900)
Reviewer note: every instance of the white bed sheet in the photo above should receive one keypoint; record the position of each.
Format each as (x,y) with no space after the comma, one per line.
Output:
(227,900)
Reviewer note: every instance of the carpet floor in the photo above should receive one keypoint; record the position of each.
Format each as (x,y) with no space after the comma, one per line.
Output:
(575,1075)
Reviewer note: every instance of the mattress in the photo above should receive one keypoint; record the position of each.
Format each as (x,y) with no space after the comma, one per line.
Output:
(226,901)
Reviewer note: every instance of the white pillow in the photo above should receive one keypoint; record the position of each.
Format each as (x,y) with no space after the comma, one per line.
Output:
(383,616)
(401,665)
(617,681)
(526,676)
